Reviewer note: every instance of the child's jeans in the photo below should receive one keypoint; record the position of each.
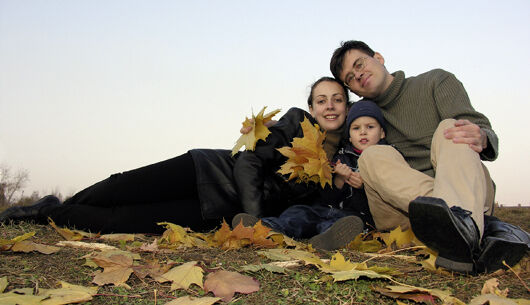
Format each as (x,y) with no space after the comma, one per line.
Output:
(304,221)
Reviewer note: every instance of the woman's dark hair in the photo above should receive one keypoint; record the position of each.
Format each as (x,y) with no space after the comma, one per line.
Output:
(335,64)
(328,79)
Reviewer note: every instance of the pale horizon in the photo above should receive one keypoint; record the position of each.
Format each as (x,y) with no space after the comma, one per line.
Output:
(91,88)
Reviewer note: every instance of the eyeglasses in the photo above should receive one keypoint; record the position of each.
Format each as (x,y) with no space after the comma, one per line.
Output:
(358,66)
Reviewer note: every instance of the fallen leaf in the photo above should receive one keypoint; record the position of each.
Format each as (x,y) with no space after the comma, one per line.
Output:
(152,269)
(225,284)
(84,245)
(355,274)
(288,254)
(118,237)
(269,267)
(187,300)
(361,245)
(3,283)
(398,239)
(183,276)
(418,294)
(11,298)
(117,267)
(491,286)
(242,236)
(68,293)
(6,244)
(71,234)
(176,236)
(493,299)
(307,160)
(29,246)
(259,130)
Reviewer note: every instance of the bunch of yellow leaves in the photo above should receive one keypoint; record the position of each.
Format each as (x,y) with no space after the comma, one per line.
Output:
(259,130)
(307,158)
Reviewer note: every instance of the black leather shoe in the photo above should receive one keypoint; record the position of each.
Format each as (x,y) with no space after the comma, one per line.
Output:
(501,242)
(449,231)
(33,211)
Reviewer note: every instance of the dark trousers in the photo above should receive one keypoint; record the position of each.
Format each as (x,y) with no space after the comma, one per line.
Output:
(134,201)
(304,221)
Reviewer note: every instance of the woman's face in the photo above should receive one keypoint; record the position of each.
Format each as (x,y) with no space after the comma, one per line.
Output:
(329,105)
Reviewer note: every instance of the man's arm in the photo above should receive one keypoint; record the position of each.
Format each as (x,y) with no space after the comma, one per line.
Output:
(472,127)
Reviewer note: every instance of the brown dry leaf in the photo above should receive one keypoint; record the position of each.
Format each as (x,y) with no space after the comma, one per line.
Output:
(418,294)
(151,268)
(183,276)
(307,160)
(224,284)
(71,234)
(242,236)
(117,267)
(259,130)
(187,300)
(29,246)
(492,286)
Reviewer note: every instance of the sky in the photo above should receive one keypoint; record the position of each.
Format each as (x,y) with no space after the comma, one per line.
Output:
(92,88)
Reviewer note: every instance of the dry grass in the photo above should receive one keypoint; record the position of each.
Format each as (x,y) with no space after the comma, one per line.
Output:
(303,285)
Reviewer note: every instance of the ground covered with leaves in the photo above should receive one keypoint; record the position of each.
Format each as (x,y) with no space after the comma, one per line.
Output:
(244,266)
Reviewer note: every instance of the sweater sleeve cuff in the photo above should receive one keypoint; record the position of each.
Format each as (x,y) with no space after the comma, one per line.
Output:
(491,152)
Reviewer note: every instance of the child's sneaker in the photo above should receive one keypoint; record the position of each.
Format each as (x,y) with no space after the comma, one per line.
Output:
(341,233)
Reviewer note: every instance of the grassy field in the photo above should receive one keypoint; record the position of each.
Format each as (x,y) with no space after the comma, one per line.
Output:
(301,285)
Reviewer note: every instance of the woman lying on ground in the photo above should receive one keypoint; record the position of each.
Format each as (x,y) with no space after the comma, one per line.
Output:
(201,187)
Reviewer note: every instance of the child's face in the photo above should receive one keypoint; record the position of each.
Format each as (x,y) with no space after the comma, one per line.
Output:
(365,131)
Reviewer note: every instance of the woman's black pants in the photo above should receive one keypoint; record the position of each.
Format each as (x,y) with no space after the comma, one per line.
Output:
(136,200)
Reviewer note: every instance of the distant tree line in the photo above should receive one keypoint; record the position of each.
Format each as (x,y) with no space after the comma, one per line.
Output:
(12,184)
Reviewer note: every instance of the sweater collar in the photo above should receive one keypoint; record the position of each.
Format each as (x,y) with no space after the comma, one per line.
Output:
(391,93)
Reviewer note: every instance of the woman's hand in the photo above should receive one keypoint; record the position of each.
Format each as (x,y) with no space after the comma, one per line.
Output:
(245,130)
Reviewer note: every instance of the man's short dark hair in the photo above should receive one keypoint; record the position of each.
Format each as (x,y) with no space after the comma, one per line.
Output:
(337,59)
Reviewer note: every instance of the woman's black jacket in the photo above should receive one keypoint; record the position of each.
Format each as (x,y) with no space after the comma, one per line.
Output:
(248,182)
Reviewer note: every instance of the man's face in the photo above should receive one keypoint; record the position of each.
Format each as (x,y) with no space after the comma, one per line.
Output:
(365,76)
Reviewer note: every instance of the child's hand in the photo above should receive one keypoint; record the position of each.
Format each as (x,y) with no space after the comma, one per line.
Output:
(355,180)
(342,170)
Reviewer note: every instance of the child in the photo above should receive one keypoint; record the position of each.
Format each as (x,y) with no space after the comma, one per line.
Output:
(340,213)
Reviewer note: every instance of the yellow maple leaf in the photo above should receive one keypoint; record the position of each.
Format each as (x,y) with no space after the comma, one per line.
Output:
(183,276)
(307,160)
(259,130)
(176,236)
(71,234)
(371,245)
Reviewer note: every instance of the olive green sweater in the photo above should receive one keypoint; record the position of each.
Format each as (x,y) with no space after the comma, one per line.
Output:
(413,107)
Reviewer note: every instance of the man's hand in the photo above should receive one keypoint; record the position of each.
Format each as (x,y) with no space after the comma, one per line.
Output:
(467,133)
(245,130)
